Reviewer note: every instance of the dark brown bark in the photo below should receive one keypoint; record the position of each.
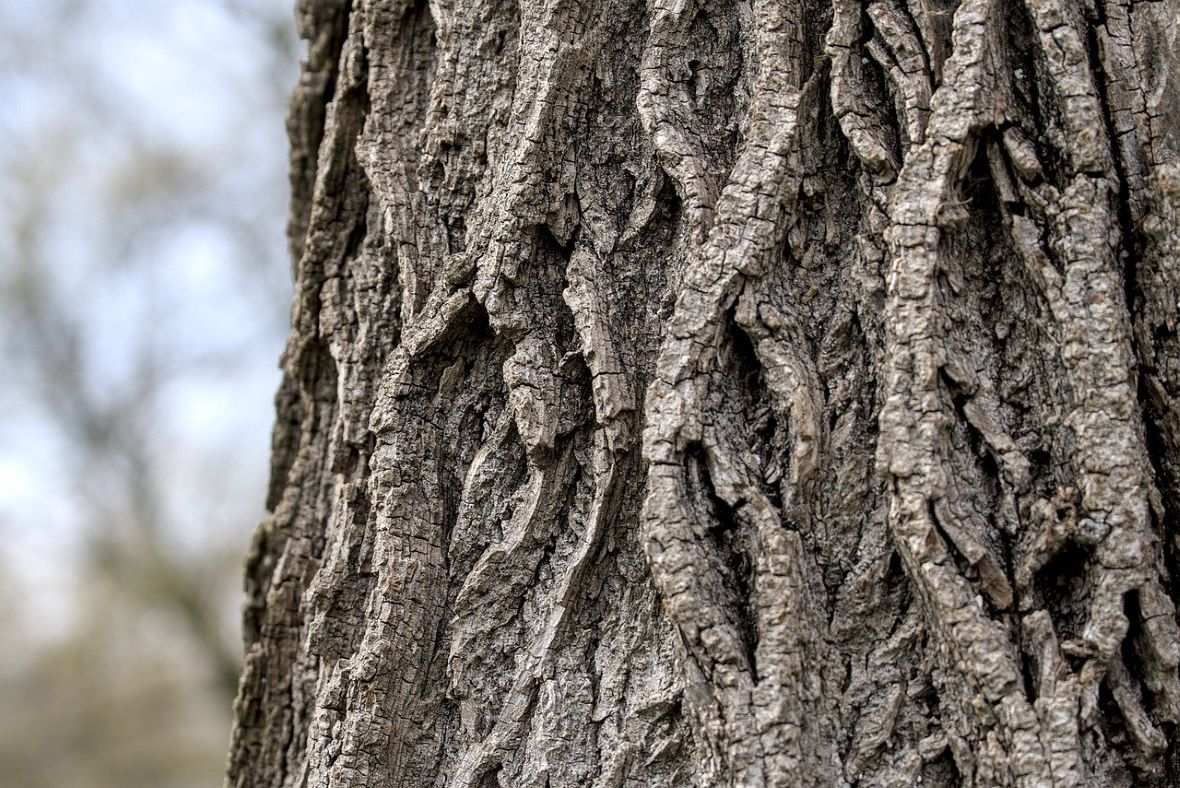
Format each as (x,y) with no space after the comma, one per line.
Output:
(703,393)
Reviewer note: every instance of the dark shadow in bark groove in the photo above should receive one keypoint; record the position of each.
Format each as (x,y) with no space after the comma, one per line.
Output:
(1061,588)
(731,541)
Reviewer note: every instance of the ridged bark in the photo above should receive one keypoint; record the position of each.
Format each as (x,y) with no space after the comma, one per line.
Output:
(770,392)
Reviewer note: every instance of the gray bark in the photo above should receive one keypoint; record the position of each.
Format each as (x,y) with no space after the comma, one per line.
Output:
(725,393)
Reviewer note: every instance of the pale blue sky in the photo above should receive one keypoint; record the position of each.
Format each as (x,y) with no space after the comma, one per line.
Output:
(146,139)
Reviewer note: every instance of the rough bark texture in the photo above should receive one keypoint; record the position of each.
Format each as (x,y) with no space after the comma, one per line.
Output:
(726,392)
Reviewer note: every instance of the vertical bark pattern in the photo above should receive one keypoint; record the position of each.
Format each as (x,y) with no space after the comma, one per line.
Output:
(725,392)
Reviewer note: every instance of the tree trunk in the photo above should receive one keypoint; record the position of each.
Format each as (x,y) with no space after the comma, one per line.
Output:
(726,393)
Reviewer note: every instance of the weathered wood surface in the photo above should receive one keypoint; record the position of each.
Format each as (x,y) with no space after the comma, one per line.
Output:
(773,392)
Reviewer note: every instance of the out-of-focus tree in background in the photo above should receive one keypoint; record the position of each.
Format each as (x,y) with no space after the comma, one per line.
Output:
(143,298)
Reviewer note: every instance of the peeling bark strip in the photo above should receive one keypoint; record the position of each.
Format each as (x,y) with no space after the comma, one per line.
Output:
(725,393)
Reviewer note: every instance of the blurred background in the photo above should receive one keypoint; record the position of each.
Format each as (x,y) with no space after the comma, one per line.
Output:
(144,288)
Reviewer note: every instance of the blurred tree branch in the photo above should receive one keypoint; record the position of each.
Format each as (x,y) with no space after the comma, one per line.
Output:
(101,190)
